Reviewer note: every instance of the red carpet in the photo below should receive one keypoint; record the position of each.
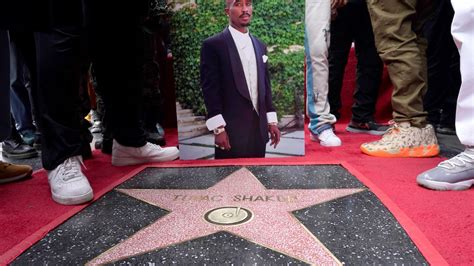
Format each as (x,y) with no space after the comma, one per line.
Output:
(440,223)
(443,219)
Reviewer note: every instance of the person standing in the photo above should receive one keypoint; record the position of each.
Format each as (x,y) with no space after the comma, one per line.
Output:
(8,172)
(60,38)
(352,25)
(398,37)
(317,39)
(236,88)
(444,76)
(457,173)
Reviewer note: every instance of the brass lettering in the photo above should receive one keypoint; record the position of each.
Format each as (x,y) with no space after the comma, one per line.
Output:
(281,198)
(216,198)
(259,198)
(292,198)
(249,198)
(269,198)
(252,198)
(177,197)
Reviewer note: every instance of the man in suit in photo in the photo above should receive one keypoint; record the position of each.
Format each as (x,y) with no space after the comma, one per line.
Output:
(236,87)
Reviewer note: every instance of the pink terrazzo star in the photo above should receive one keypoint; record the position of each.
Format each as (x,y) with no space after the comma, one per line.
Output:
(272,225)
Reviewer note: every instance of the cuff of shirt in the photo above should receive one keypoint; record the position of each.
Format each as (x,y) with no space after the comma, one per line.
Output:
(215,122)
(272,117)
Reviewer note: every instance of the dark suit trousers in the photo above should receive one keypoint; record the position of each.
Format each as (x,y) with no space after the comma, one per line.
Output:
(253,148)
(115,50)
(117,57)
(352,24)
(444,76)
(58,59)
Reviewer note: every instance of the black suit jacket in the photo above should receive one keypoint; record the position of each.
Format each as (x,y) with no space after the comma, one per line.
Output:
(225,88)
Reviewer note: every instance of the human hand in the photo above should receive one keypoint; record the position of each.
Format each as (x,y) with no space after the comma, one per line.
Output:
(221,141)
(338,3)
(274,135)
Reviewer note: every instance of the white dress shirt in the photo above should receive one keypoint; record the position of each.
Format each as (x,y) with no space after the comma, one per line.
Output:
(249,64)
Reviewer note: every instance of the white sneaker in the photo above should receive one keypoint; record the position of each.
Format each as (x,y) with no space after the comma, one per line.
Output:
(327,138)
(69,186)
(149,153)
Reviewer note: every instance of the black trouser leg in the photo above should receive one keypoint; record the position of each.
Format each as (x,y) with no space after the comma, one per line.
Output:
(444,77)
(341,40)
(118,64)
(58,77)
(369,66)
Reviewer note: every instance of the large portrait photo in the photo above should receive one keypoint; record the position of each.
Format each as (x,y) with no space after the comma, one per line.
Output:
(239,75)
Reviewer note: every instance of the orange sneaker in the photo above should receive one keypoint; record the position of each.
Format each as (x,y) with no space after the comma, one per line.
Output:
(403,140)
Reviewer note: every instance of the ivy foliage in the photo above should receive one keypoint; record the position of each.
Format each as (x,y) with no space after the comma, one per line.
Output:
(278,23)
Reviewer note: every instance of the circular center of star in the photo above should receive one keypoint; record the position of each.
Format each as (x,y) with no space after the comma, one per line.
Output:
(228,216)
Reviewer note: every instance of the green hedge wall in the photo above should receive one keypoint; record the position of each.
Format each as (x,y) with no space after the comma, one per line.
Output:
(278,23)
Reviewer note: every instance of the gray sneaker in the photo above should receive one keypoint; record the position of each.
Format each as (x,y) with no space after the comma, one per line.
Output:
(456,173)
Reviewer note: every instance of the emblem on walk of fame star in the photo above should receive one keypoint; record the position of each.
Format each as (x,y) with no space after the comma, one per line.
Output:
(238,204)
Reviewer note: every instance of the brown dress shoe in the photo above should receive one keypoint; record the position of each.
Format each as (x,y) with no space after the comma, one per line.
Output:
(11,172)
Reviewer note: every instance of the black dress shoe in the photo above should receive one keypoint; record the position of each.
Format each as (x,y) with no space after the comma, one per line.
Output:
(16,149)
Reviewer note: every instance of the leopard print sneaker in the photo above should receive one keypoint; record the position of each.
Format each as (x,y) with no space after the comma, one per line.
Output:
(403,140)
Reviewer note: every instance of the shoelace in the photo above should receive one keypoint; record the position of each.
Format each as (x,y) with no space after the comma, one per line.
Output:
(71,168)
(394,127)
(17,141)
(154,146)
(459,160)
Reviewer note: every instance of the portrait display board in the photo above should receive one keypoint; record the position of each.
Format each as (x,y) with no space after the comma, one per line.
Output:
(277,35)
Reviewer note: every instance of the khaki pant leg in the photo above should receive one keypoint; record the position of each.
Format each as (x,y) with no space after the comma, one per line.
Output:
(397,27)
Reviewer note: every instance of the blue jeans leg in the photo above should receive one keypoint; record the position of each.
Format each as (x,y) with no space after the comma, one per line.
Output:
(20,87)
(5,123)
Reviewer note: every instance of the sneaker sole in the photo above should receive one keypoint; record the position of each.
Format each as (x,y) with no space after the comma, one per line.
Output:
(123,161)
(315,139)
(73,200)
(14,178)
(445,185)
(417,152)
(324,144)
(29,155)
(371,132)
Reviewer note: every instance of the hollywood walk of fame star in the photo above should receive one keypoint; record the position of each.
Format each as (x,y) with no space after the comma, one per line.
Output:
(272,224)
